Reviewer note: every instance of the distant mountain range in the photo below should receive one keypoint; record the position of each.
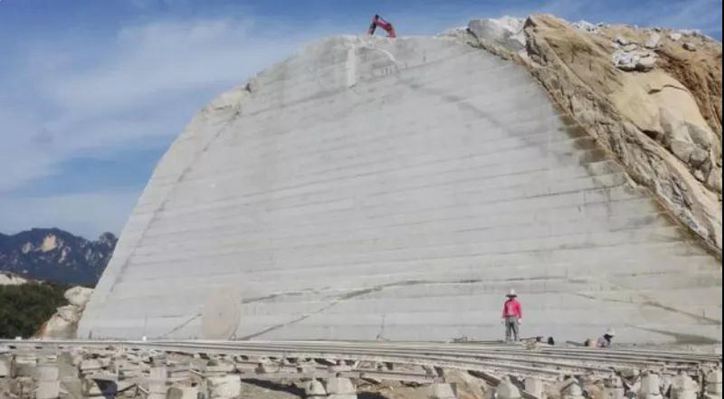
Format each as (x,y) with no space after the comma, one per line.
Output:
(56,255)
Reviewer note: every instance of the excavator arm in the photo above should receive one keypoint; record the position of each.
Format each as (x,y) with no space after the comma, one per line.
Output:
(377,21)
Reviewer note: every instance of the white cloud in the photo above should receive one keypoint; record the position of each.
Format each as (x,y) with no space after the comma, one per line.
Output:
(161,59)
(97,96)
(148,81)
(25,153)
(85,214)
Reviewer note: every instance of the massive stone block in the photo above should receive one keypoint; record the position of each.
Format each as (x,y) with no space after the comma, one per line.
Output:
(369,188)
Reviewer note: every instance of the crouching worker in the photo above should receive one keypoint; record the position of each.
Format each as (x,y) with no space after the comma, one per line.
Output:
(603,341)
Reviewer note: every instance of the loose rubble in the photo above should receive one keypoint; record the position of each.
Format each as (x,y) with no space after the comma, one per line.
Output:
(124,371)
(586,26)
(630,58)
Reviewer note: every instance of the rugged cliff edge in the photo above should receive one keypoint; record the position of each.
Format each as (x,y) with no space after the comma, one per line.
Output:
(650,96)
(55,255)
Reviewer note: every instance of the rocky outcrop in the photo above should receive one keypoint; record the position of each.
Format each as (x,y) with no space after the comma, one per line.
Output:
(506,32)
(55,255)
(651,97)
(11,279)
(64,323)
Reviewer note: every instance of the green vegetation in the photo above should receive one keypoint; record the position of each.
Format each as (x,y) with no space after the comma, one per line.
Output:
(24,308)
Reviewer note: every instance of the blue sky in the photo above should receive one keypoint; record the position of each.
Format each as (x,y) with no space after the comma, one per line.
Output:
(92,92)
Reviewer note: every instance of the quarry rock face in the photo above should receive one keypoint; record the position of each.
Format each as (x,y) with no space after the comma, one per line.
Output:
(370,188)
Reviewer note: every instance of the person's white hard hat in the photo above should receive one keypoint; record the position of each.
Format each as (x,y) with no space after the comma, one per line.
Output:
(611,332)
(512,293)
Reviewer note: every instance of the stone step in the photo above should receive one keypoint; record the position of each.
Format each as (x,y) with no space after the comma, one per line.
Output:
(574,156)
(283,250)
(506,229)
(490,164)
(579,200)
(611,217)
(481,135)
(218,266)
(539,142)
(515,180)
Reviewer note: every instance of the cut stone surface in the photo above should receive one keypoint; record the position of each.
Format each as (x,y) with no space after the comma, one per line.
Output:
(339,385)
(224,387)
(372,188)
(506,390)
(183,393)
(315,389)
(5,365)
(78,296)
(443,391)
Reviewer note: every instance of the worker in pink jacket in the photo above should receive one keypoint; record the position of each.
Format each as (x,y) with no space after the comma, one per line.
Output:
(512,316)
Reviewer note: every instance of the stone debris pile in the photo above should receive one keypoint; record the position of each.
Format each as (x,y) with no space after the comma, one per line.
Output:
(32,371)
(631,56)
(587,26)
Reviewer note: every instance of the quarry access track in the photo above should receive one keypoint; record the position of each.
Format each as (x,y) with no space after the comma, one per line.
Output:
(488,359)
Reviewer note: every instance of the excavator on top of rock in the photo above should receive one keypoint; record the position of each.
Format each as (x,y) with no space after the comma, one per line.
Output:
(378,21)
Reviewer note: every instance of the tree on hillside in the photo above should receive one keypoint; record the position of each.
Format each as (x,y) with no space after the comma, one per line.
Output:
(24,308)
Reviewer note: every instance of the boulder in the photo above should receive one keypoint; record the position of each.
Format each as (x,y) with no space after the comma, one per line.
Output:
(653,41)
(441,391)
(506,390)
(78,296)
(646,62)
(5,365)
(68,313)
(341,388)
(64,322)
(702,137)
(183,392)
(506,32)
(224,387)
(650,387)
(682,149)
(629,58)
(698,157)
(315,389)
(714,181)
(620,40)
(683,387)
(59,327)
